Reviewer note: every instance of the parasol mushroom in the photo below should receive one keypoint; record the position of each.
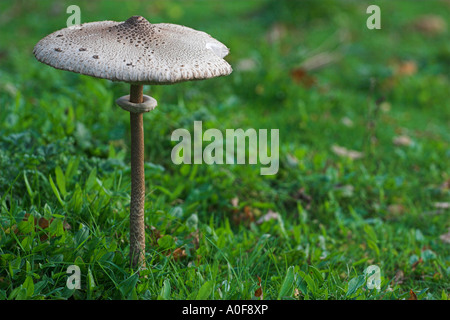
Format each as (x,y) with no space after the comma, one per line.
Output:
(139,53)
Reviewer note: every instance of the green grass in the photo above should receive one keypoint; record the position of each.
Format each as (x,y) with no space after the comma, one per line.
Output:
(64,159)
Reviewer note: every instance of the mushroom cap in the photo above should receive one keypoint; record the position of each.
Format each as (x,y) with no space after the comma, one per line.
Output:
(135,51)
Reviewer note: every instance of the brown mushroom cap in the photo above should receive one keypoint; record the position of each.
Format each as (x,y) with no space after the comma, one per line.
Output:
(135,51)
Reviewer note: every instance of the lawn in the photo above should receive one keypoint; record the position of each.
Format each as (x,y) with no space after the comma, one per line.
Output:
(364,158)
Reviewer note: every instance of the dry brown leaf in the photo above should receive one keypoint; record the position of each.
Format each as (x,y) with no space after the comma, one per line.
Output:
(304,198)
(445,237)
(385,106)
(302,77)
(195,236)
(430,24)
(235,202)
(154,234)
(270,215)
(275,33)
(178,254)
(445,185)
(415,264)
(319,61)
(259,292)
(399,277)
(406,68)
(396,209)
(346,121)
(402,140)
(39,225)
(442,205)
(246,216)
(344,152)
(44,223)
(412,295)
(247,64)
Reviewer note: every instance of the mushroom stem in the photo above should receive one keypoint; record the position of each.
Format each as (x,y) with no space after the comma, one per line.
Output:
(137,231)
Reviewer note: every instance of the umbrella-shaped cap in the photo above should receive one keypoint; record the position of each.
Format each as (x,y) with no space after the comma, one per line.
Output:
(135,51)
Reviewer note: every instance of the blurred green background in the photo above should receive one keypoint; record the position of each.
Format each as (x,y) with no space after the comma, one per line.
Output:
(364,177)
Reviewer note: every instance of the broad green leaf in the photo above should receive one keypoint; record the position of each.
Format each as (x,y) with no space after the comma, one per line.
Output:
(27,185)
(27,243)
(286,287)
(126,286)
(370,233)
(166,242)
(76,202)
(81,236)
(355,283)
(205,290)
(56,227)
(29,286)
(72,168)
(165,291)
(372,245)
(26,226)
(14,265)
(21,293)
(55,191)
(90,280)
(316,274)
(91,179)
(60,180)
(311,285)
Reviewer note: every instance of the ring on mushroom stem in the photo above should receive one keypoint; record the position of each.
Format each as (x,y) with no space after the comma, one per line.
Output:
(139,53)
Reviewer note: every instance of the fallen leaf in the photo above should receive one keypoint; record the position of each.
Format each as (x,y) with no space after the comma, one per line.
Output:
(445,237)
(292,160)
(396,209)
(402,140)
(344,152)
(433,212)
(259,292)
(445,185)
(304,198)
(345,190)
(39,225)
(247,64)
(412,295)
(195,236)
(346,121)
(178,254)
(155,235)
(319,61)
(399,277)
(385,106)
(44,223)
(430,24)
(235,202)
(302,77)
(270,215)
(246,216)
(406,68)
(442,205)
(415,264)
(275,33)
